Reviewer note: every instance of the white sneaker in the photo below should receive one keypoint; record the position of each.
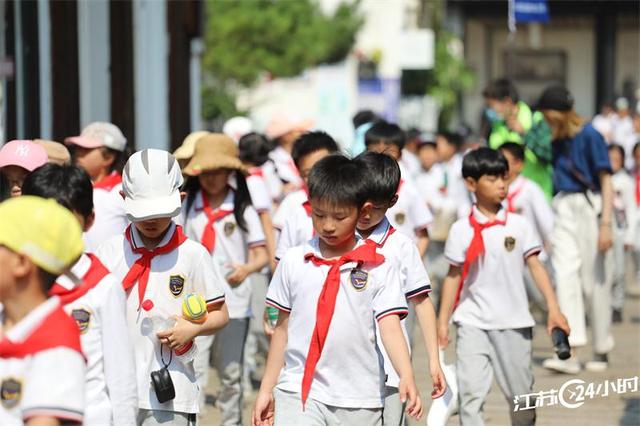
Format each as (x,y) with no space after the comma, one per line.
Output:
(599,364)
(569,366)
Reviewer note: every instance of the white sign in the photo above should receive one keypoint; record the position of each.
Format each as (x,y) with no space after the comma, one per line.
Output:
(416,49)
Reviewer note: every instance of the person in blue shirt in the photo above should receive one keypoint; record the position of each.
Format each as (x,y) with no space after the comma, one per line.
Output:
(582,234)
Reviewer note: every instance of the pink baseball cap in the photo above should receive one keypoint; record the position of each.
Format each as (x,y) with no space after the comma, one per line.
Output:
(282,123)
(23,153)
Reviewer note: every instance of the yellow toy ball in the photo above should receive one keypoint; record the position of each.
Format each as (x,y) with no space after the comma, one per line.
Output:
(194,308)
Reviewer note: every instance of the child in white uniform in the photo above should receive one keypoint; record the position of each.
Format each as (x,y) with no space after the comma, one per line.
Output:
(158,267)
(218,213)
(332,373)
(42,369)
(97,304)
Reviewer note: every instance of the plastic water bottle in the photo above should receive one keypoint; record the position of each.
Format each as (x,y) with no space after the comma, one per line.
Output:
(161,321)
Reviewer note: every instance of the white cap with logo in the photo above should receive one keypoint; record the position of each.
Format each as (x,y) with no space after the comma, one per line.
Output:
(151,182)
(99,134)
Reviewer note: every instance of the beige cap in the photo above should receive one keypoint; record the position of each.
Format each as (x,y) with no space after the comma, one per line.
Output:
(57,152)
(185,151)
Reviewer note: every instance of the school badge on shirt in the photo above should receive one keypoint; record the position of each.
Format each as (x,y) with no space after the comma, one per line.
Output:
(229,227)
(82,318)
(400,218)
(509,243)
(10,392)
(359,279)
(176,285)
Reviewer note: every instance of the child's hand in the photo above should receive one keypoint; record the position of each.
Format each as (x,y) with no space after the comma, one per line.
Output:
(263,410)
(438,379)
(238,275)
(180,334)
(605,239)
(268,330)
(443,334)
(556,319)
(408,392)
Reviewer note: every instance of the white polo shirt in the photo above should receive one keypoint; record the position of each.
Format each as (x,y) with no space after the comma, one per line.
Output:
(350,371)
(42,371)
(111,395)
(453,187)
(298,228)
(528,200)
(274,184)
(291,205)
(257,185)
(188,269)
(494,296)
(400,250)
(232,246)
(410,214)
(111,218)
(285,167)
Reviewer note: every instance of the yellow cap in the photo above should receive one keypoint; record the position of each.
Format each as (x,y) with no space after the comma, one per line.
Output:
(42,230)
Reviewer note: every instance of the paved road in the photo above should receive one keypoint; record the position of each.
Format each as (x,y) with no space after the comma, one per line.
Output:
(613,410)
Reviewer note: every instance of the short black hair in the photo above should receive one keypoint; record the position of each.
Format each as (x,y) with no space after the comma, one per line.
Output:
(311,142)
(452,138)
(382,175)
(363,117)
(619,148)
(484,162)
(47,279)
(412,133)
(636,147)
(338,180)
(69,185)
(385,132)
(513,148)
(500,89)
(254,148)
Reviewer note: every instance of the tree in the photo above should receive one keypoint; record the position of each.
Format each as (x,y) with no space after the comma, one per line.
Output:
(247,39)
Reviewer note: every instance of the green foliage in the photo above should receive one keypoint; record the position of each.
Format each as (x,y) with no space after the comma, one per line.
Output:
(247,38)
(450,77)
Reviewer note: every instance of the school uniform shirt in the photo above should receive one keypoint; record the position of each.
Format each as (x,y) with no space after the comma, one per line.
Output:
(111,218)
(291,204)
(350,371)
(232,245)
(297,229)
(257,185)
(453,188)
(624,205)
(410,163)
(493,296)
(285,167)
(187,269)
(525,197)
(401,251)
(98,307)
(274,184)
(410,214)
(42,370)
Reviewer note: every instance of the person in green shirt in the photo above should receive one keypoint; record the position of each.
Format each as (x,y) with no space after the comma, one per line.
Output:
(513,121)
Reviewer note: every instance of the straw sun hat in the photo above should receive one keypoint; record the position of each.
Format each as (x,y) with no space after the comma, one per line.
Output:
(214,151)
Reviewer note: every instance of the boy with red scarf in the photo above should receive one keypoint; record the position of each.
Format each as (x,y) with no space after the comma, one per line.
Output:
(487,252)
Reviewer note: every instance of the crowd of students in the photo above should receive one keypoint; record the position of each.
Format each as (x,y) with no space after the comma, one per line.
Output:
(165,262)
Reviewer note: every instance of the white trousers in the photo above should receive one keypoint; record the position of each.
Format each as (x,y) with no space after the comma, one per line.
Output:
(579,267)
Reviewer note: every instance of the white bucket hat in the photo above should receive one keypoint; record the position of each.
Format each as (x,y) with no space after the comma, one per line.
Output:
(151,182)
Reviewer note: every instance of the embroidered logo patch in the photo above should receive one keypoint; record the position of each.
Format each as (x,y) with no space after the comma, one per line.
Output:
(509,243)
(359,279)
(10,392)
(176,285)
(83,319)
(229,227)
(400,218)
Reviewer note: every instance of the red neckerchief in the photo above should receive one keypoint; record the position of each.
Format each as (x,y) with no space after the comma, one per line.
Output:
(96,272)
(476,247)
(108,182)
(256,171)
(208,238)
(327,303)
(511,208)
(55,331)
(140,270)
(637,176)
(390,232)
